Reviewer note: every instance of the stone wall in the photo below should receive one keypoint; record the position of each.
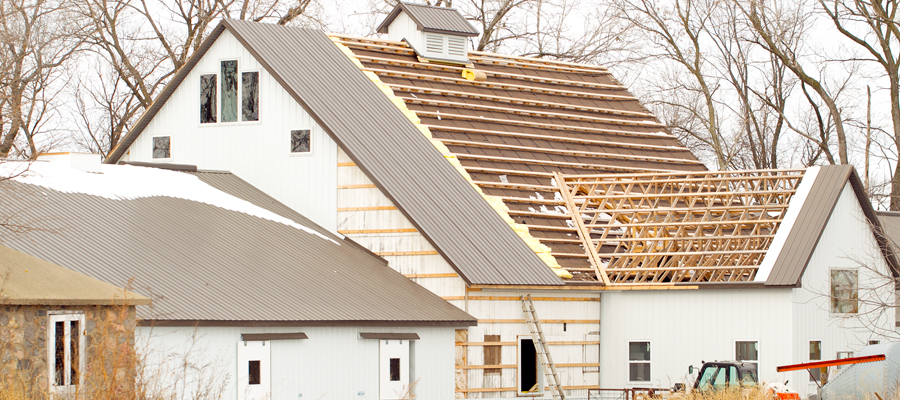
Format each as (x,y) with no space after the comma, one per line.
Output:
(109,344)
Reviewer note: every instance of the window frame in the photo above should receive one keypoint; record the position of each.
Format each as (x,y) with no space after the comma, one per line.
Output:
(833,298)
(66,317)
(738,359)
(290,145)
(240,93)
(649,362)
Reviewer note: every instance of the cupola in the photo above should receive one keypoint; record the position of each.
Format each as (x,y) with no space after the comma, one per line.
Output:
(435,33)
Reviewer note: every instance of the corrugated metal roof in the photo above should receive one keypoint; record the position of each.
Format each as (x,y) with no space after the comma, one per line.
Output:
(395,155)
(890,222)
(810,223)
(431,19)
(200,262)
(30,280)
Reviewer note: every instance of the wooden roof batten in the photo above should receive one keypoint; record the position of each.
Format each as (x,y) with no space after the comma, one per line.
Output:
(677,227)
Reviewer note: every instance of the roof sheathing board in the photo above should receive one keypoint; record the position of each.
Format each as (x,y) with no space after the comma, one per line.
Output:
(529,119)
(395,155)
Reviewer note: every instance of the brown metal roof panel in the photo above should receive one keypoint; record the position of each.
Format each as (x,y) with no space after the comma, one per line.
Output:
(395,155)
(808,227)
(429,18)
(201,262)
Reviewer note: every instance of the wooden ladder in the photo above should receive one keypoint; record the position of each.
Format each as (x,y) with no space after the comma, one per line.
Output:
(540,347)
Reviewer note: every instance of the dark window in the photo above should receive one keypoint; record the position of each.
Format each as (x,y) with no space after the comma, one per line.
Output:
(300,141)
(207,99)
(60,366)
(491,353)
(161,147)
(250,96)
(229,90)
(747,351)
(395,369)
(844,291)
(254,372)
(74,335)
(528,367)
(815,354)
(639,361)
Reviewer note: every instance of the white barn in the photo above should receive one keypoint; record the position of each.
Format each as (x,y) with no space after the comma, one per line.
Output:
(251,300)
(479,179)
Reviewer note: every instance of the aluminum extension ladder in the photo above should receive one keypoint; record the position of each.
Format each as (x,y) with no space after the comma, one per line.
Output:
(540,347)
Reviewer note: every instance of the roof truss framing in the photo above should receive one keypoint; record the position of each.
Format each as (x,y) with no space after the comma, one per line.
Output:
(678,227)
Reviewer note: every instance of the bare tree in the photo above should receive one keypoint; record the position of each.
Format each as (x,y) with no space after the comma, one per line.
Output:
(39,38)
(141,45)
(772,22)
(873,26)
(675,32)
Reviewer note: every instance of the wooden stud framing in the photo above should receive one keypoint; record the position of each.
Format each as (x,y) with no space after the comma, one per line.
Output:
(576,153)
(679,227)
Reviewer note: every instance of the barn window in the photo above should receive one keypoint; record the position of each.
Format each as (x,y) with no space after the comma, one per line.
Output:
(229,90)
(250,96)
(253,372)
(395,369)
(639,361)
(67,349)
(207,98)
(842,355)
(844,291)
(492,353)
(300,141)
(815,354)
(747,352)
(161,147)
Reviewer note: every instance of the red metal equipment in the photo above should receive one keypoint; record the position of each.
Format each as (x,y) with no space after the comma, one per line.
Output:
(830,363)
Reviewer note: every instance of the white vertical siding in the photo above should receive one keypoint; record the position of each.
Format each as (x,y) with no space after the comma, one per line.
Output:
(846,243)
(685,327)
(332,364)
(403,27)
(258,152)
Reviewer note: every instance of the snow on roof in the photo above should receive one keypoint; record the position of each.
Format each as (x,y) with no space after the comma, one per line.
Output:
(126,182)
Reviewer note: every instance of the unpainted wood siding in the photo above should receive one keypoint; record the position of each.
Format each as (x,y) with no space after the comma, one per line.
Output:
(686,327)
(370,218)
(334,363)
(258,152)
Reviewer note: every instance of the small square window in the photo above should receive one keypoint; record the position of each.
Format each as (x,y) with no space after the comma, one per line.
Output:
(161,147)
(639,361)
(300,141)
(844,291)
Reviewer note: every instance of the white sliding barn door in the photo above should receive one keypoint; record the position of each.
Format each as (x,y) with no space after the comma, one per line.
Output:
(254,370)
(393,368)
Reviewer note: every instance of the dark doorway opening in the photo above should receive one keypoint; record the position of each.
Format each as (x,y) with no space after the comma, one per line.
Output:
(529,370)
